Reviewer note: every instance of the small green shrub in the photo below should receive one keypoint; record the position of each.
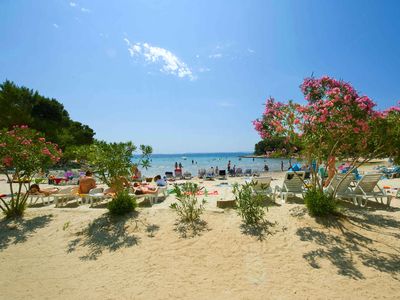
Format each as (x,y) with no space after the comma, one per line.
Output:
(188,207)
(250,206)
(122,203)
(320,204)
(14,209)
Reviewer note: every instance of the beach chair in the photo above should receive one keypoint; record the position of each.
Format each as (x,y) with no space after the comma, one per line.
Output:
(33,199)
(262,185)
(393,172)
(201,173)
(342,186)
(368,188)
(293,184)
(222,174)
(187,175)
(239,172)
(169,176)
(162,191)
(95,195)
(210,174)
(247,172)
(65,195)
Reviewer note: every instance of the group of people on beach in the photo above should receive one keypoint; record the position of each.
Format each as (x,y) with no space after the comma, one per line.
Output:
(88,182)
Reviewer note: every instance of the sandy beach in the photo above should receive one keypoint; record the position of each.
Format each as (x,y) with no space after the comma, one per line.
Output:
(77,252)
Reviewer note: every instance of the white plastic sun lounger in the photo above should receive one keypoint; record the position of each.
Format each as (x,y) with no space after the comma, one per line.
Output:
(368,188)
(292,185)
(262,185)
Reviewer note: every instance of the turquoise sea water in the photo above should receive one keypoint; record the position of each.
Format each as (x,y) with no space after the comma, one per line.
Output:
(161,163)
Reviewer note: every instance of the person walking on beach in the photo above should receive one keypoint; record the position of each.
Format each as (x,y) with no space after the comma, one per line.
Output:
(229,166)
(282,165)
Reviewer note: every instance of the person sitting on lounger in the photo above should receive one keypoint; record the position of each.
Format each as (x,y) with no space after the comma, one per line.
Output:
(136,174)
(117,185)
(86,183)
(159,181)
(35,190)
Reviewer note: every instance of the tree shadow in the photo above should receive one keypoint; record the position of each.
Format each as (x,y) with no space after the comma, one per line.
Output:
(343,250)
(106,233)
(19,230)
(298,212)
(294,200)
(190,230)
(260,230)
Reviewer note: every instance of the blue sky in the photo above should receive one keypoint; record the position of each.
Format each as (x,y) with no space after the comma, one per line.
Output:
(190,76)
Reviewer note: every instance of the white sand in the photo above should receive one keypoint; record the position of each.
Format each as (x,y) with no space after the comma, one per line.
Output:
(78,253)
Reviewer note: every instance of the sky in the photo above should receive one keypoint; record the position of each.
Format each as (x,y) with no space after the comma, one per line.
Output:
(190,76)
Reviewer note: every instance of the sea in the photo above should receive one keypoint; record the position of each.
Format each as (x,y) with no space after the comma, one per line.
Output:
(192,162)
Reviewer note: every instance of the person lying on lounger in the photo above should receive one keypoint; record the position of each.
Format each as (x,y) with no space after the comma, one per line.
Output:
(35,190)
(141,190)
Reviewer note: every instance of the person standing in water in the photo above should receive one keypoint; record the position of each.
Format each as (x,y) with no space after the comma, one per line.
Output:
(229,166)
(176,165)
(282,165)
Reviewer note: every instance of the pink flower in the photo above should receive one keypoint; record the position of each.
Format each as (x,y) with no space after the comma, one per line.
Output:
(7,161)
(46,151)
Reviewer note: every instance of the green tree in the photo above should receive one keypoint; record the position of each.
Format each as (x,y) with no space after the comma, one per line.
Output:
(22,106)
(111,161)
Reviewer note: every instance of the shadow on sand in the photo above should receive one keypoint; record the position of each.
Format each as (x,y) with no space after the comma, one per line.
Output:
(260,230)
(347,246)
(108,233)
(19,230)
(189,230)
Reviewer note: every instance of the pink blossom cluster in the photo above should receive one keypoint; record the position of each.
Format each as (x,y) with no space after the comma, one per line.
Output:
(333,107)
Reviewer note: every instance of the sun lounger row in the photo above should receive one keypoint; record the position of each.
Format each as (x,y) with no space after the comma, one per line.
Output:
(94,196)
(365,189)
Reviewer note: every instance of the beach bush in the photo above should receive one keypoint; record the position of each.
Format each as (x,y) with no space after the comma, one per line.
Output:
(23,153)
(250,206)
(122,203)
(111,161)
(188,207)
(320,204)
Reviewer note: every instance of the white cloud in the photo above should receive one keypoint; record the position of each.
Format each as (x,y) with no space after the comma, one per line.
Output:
(85,10)
(55,26)
(250,50)
(170,63)
(204,69)
(225,104)
(216,55)
(72,4)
